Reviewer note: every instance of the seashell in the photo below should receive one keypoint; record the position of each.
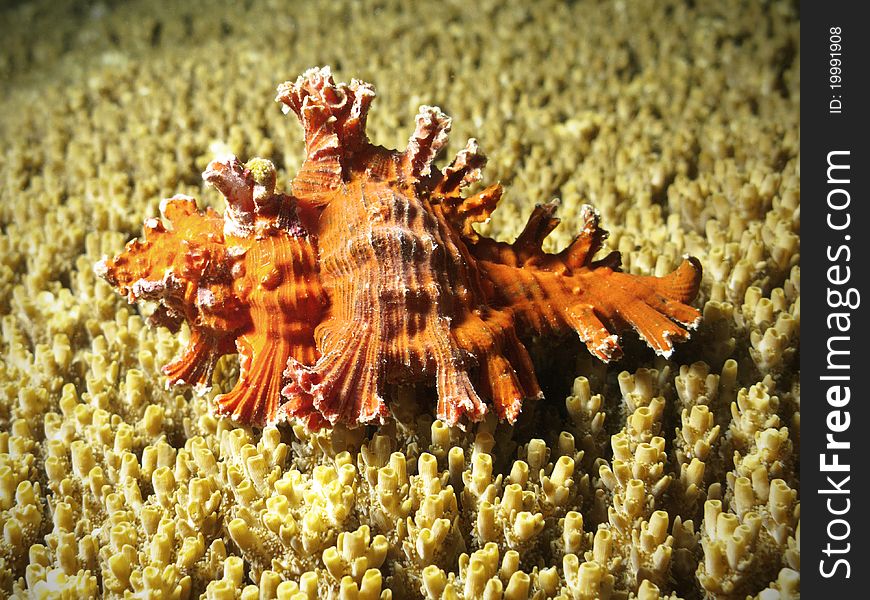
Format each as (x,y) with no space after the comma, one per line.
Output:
(370,273)
(245,282)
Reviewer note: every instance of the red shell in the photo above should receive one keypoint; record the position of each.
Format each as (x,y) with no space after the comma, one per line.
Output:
(371,273)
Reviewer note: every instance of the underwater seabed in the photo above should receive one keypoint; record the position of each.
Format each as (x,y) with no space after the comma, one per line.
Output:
(646,478)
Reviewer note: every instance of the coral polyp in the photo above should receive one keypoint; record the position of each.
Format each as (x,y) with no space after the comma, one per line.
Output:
(371,273)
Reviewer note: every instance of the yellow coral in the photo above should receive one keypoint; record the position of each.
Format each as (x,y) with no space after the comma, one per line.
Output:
(651,473)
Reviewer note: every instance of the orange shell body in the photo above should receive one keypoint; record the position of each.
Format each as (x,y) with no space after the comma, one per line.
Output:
(371,273)
(245,282)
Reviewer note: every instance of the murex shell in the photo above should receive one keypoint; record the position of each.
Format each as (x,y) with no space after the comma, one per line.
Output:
(370,273)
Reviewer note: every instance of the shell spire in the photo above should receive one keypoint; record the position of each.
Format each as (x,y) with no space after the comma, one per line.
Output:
(236,185)
(428,139)
(333,118)
(465,170)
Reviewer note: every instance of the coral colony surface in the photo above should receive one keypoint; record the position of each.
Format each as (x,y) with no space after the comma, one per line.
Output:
(364,382)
